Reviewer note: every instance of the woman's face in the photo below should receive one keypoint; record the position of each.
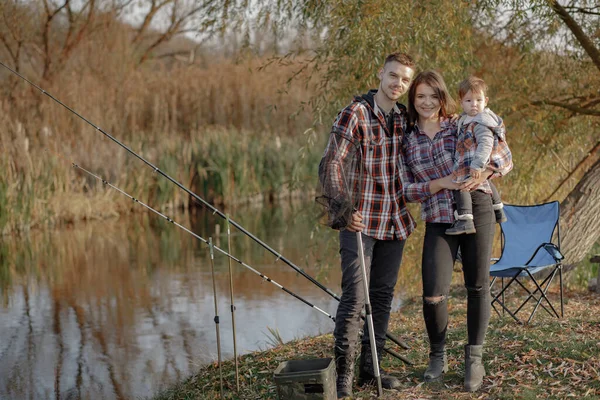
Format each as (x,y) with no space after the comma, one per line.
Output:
(427,103)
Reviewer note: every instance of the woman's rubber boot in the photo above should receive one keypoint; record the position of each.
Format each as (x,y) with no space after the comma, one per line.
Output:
(344,366)
(438,363)
(474,369)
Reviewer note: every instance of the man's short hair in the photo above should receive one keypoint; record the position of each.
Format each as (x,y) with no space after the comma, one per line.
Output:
(474,84)
(402,58)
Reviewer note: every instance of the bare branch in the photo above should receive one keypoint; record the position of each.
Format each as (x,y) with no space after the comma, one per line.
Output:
(12,54)
(580,35)
(86,26)
(162,38)
(154,8)
(584,10)
(570,107)
(176,27)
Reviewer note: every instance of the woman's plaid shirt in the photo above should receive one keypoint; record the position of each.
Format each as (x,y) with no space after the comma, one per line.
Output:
(381,204)
(423,160)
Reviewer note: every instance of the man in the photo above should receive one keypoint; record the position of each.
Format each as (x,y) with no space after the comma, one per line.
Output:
(375,122)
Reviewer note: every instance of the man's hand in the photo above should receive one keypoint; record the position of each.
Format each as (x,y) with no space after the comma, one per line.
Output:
(356,224)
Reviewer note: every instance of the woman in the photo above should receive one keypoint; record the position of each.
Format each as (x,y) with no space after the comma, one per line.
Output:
(428,149)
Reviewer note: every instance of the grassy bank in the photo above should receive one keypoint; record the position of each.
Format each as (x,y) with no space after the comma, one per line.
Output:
(548,359)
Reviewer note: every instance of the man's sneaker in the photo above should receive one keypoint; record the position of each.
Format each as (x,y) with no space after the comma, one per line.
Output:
(461,227)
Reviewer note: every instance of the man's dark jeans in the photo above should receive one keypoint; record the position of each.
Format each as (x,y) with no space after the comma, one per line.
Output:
(382,260)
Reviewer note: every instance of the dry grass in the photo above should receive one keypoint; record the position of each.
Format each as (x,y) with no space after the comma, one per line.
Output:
(548,359)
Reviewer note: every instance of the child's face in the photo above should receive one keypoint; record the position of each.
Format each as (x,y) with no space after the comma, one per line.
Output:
(473,103)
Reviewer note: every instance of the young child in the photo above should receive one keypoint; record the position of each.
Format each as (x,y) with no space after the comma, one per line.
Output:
(481,141)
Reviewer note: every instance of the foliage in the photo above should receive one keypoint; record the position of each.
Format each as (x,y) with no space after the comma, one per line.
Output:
(540,59)
(351,40)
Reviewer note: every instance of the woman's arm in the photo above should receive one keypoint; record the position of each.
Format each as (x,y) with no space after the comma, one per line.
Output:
(417,192)
(443,183)
(414,192)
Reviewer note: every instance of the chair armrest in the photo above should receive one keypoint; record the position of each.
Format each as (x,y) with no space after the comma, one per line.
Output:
(554,251)
(551,249)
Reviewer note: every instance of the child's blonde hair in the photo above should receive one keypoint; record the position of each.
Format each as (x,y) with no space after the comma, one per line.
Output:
(472,83)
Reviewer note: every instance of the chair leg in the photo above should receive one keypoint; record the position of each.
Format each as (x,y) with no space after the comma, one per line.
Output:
(503,301)
(562,306)
(540,300)
(493,296)
(531,295)
(501,294)
(543,290)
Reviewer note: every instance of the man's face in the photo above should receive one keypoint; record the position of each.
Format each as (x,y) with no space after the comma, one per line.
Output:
(473,103)
(395,79)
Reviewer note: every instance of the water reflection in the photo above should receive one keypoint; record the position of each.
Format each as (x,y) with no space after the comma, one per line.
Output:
(121,309)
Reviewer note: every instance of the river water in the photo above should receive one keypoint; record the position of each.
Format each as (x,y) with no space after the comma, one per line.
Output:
(121,309)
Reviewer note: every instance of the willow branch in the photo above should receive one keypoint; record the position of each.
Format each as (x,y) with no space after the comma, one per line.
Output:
(580,35)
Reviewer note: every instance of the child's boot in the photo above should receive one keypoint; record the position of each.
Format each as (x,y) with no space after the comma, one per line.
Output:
(463,225)
(499,212)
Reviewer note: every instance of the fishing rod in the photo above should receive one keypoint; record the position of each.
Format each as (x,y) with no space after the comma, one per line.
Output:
(235,357)
(214,284)
(207,242)
(194,196)
(216,248)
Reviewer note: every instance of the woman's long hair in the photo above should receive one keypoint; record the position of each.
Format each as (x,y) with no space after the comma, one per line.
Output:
(434,80)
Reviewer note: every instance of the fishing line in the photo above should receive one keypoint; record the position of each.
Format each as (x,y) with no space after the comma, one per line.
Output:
(216,248)
(195,197)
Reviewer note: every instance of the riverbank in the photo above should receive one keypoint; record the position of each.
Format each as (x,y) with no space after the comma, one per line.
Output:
(547,359)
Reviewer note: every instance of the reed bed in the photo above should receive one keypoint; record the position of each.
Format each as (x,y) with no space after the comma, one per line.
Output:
(223,166)
(232,132)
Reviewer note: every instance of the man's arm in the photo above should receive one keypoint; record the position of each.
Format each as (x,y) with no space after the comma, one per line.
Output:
(336,169)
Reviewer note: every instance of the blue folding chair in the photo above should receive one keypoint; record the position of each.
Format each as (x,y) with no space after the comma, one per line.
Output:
(528,253)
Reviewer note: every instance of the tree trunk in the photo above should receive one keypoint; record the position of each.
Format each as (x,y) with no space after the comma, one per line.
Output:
(580,217)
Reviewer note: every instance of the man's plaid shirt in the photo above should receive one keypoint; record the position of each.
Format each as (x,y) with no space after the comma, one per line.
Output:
(425,159)
(381,204)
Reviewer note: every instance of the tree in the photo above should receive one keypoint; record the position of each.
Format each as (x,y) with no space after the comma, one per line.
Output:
(568,35)
(545,82)
(44,34)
